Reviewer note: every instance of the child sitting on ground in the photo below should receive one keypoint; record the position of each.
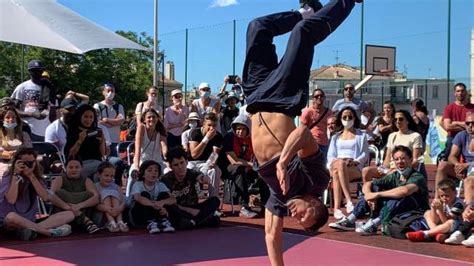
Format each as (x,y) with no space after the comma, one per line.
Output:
(444,217)
(112,200)
(149,199)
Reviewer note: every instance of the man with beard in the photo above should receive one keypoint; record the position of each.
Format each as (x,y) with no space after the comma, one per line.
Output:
(455,114)
(349,100)
(56,131)
(33,100)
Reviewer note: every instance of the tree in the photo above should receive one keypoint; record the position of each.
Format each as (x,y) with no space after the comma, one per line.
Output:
(130,71)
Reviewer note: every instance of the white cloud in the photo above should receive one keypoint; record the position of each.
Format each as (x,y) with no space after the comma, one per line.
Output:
(223,3)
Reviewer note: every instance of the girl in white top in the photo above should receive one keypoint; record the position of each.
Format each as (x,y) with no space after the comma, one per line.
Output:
(175,119)
(347,154)
(150,103)
(150,139)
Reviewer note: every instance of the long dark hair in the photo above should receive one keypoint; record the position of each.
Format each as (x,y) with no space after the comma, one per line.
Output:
(159,125)
(75,122)
(419,105)
(411,123)
(144,166)
(339,125)
(18,129)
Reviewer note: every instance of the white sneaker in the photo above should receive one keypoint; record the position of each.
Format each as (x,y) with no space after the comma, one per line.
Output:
(166,227)
(338,214)
(63,230)
(349,207)
(469,242)
(369,228)
(455,238)
(153,228)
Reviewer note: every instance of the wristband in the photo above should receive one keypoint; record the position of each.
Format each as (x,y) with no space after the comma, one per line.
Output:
(205,140)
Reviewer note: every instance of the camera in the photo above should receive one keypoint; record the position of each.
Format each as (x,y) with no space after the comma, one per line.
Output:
(233,79)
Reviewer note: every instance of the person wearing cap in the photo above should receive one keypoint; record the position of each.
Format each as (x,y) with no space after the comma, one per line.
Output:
(193,122)
(175,119)
(32,98)
(230,111)
(56,131)
(237,163)
(206,104)
(150,103)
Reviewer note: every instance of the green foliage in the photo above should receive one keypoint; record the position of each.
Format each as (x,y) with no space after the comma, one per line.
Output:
(130,71)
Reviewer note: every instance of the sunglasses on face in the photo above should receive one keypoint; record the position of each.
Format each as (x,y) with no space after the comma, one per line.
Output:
(347,117)
(399,119)
(469,123)
(178,96)
(319,96)
(348,88)
(28,164)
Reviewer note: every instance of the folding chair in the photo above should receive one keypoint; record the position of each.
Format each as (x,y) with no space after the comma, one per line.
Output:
(47,151)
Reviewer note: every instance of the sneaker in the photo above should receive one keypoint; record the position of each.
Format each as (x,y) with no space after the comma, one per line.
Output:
(166,227)
(344,224)
(113,227)
(314,4)
(417,236)
(63,230)
(369,228)
(349,207)
(338,214)
(247,213)
(469,242)
(455,238)
(92,228)
(153,228)
(440,238)
(26,234)
(123,227)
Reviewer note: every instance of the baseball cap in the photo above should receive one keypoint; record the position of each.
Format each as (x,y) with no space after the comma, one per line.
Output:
(68,103)
(231,95)
(174,92)
(204,85)
(35,64)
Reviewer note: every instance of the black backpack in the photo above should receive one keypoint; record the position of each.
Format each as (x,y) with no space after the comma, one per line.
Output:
(406,222)
(115,106)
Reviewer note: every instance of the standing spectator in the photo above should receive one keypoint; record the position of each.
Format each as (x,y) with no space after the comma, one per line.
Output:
(238,155)
(230,111)
(85,139)
(347,155)
(182,183)
(193,122)
(150,196)
(150,103)
(19,190)
(175,119)
(386,123)
(206,104)
(150,140)
(33,100)
(56,131)
(316,118)
(420,116)
(203,143)
(455,113)
(349,100)
(12,138)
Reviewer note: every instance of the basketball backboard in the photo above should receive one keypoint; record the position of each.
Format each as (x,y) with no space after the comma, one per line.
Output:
(379,60)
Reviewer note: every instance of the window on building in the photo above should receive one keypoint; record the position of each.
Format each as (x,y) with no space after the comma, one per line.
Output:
(419,93)
(435,91)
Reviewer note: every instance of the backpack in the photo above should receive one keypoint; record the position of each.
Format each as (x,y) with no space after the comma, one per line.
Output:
(115,106)
(405,222)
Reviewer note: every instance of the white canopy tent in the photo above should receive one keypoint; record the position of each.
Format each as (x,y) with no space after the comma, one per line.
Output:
(47,24)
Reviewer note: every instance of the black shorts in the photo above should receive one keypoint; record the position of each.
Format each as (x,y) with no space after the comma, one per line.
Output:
(308,176)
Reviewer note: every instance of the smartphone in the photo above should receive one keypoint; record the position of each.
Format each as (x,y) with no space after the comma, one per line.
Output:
(232,79)
(92,133)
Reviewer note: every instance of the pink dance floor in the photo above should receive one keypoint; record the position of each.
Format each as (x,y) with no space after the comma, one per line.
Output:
(227,246)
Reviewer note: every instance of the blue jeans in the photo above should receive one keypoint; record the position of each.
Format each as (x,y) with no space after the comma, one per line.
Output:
(272,86)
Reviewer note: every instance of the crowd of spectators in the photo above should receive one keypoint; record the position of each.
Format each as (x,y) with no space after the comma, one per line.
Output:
(180,156)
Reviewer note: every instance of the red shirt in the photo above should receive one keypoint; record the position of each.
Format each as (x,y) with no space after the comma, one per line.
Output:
(457,113)
(309,115)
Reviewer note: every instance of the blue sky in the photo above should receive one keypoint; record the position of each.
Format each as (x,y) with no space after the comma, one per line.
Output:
(418,28)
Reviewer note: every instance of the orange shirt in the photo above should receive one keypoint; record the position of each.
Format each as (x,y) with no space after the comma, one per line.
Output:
(309,115)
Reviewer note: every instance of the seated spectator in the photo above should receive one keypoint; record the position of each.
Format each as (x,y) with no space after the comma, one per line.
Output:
(182,183)
(386,123)
(348,153)
(193,122)
(85,139)
(398,192)
(405,136)
(237,154)
(205,142)
(461,146)
(331,127)
(149,198)
(175,119)
(150,103)
(77,194)
(19,190)
(230,112)
(56,131)
(150,140)
(112,200)
(463,234)
(444,217)
(12,137)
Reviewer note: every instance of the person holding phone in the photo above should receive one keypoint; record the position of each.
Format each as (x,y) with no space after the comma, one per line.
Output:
(19,190)
(85,139)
